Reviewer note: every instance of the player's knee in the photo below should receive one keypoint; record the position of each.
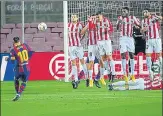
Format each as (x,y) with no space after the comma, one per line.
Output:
(73,62)
(82,61)
(123,55)
(131,55)
(148,55)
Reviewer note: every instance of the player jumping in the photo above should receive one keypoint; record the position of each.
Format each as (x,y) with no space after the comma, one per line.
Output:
(75,48)
(92,47)
(153,40)
(20,54)
(125,23)
(104,29)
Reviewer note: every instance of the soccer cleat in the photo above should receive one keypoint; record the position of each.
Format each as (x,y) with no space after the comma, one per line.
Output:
(87,82)
(91,83)
(110,87)
(96,84)
(75,84)
(125,78)
(16,97)
(103,81)
(132,77)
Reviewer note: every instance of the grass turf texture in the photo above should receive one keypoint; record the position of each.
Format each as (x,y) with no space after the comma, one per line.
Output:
(52,98)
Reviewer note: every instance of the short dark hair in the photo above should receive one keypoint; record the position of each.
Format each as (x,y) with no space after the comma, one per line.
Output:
(127,8)
(16,39)
(99,13)
(93,15)
(147,9)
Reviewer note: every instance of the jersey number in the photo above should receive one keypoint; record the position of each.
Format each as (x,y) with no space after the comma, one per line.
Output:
(23,55)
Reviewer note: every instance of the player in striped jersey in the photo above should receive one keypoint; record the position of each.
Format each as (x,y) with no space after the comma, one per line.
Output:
(104,29)
(92,46)
(150,26)
(125,24)
(75,48)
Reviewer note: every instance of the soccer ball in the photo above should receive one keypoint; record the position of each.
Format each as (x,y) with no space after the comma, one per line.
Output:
(42,26)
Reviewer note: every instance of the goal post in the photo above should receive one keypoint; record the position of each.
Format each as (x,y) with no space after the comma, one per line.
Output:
(65,18)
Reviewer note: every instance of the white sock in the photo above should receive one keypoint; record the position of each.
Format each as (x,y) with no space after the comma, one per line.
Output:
(112,65)
(119,83)
(149,63)
(90,74)
(75,73)
(132,66)
(101,72)
(124,66)
(85,70)
(119,88)
(106,65)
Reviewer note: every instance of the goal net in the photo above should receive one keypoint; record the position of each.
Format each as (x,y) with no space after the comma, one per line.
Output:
(111,10)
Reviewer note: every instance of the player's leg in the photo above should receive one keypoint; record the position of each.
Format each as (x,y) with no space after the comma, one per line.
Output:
(102,53)
(120,85)
(72,51)
(149,51)
(111,61)
(16,79)
(131,50)
(123,50)
(91,56)
(80,55)
(137,85)
(24,77)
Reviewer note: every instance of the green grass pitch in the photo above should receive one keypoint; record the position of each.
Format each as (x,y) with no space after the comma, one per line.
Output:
(53,98)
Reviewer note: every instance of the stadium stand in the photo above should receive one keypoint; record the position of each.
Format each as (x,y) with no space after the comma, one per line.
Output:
(50,40)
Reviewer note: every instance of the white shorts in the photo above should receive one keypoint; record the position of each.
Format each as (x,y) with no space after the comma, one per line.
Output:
(138,84)
(127,44)
(93,52)
(105,47)
(76,52)
(153,45)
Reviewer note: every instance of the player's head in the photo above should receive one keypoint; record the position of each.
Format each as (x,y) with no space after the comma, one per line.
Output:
(125,11)
(93,17)
(99,16)
(74,18)
(16,41)
(146,13)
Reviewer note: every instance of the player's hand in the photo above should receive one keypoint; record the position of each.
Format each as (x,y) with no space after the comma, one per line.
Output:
(144,29)
(6,59)
(119,21)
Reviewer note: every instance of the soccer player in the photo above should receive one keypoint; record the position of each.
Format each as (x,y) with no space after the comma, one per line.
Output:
(125,24)
(150,26)
(75,48)
(138,84)
(20,54)
(92,45)
(104,29)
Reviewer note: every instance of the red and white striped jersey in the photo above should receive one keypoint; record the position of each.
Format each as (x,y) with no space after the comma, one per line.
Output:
(92,32)
(152,25)
(104,28)
(126,27)
(74,33)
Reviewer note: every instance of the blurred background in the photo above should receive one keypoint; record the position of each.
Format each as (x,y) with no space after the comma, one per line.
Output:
(51,12)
